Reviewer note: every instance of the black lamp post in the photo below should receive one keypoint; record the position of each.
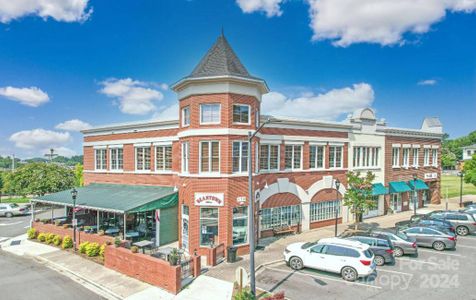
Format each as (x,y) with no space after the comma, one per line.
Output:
(338,205)
(461,176)
(415,198)
(74,195)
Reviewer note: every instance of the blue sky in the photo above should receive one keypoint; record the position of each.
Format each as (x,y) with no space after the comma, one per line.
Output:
(98,62)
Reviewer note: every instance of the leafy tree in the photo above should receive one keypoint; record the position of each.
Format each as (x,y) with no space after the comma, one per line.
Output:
(1,185)
(78,175)
(470,171)
(359,194)
(39,179)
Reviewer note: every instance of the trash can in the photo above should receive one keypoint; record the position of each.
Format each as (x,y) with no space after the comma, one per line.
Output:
(231,254)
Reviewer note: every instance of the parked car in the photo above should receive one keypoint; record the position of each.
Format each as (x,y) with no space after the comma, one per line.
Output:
(351,259)
(402,243)
(426,221)
(471,211)
(434,237)
(380,245)
(12,209)
(464,223)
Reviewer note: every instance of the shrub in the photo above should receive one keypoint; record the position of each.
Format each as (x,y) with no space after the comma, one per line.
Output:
(57,240)
(245,294)
(101,232)
(49,238)
(82,247)
(134,249)
(117,242)
(102,250)
(32,233)
(67,242)
(57,222)
(92,249)
(65,226)
(45,221)
(42,237)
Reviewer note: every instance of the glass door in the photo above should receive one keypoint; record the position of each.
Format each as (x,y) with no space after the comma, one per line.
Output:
(396,203)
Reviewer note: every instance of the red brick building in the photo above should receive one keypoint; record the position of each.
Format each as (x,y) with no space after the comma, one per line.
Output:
(204,155)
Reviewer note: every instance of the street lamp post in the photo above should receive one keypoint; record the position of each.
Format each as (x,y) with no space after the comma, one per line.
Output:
(74,195)
(251,215)
(415,198)
(461,175)
(338,205)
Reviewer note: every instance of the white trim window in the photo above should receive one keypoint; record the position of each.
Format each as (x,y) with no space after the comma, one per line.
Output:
(426,157)
(316,157)
(210,113)
(395,157)
(279,216)
(336,159)
(269,158)
(325,210)
(209,157)
(240,156)
(163,158)
(434,157)
(406,157)
(240,225)
(100,159)
(185,156)
(293,157)
(366,157)
(117,159)
(143,158)
(186,116)
(416,153)
(257,118)
(241,114)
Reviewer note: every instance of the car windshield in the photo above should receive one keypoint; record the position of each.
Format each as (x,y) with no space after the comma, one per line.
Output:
(13,205)
(368,253)
(402,235)
(307,245)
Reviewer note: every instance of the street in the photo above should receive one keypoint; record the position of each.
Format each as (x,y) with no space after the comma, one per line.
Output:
(24,278)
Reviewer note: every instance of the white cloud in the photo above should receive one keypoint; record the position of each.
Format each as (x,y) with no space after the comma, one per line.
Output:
(270,7)
(134,97)
(167,113)
(61,151)
(384,22)
(31,96)
(59,10)
(73,125)
(325,106)
(39,138)
(427,82)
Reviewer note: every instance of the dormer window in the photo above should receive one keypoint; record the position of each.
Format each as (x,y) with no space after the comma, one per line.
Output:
(241,114)
(210,113)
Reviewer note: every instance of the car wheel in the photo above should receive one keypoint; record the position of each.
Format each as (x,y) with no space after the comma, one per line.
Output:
(8,215)
(379,260)
(398,252)
(349,274)
(462,230)
(296,263)
(439,246)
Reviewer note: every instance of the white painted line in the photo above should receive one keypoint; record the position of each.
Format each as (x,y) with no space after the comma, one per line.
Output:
(396,272)
(10,224)
(417,261)
(26,227)
(440,252)
(325,277)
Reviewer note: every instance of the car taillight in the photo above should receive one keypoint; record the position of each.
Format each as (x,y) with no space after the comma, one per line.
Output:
(390,251)
(366,262)
(474,224)
(414,245)
(22,209)
(452,238)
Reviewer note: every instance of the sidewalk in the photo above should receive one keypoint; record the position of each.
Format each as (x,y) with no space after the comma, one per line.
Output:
(108,283)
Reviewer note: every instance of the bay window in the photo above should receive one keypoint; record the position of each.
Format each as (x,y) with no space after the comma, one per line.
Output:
(101,159)
(143,158)
(240,225)
(292,157)
(210,157)
(316,157)
(163,158)
(117,159)
(185,157)
(269,158)
(241,113)
(210,113)
(240,156)
(335,156)
(186,116)
(208,226)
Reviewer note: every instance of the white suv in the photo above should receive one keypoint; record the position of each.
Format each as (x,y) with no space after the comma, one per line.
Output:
(351,259)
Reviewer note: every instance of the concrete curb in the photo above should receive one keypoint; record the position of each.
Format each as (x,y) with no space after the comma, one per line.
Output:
(105,292)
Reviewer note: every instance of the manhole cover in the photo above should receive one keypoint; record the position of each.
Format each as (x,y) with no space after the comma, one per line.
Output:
(15,243)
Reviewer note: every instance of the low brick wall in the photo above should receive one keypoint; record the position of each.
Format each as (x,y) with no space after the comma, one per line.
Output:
(144,267)
(80,236)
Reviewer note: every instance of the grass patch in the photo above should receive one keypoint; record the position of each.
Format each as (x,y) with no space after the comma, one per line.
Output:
(452,183)
(16,200)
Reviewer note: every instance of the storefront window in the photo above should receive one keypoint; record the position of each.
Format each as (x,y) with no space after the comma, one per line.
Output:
(280,216)
(240,225)
(208,226)
(325,210)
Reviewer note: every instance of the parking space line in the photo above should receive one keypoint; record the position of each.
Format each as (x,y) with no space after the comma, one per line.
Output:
(396,272)
(417,261)
(440,252)
(325,277)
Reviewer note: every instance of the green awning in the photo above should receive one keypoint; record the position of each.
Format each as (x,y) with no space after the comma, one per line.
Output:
(378,189)
(418,184)
(117,198)
(398,187)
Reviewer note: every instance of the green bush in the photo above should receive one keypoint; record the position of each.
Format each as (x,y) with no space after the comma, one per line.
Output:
(49,238)
(67,242)
(32,233)
(42,237)
(82,247)
(93,249)
(117,242)
(245,294)
(102,250)
(57,240)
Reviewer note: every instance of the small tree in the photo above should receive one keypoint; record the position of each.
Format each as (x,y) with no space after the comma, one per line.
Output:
(359,194)
(78,175)
(470,171)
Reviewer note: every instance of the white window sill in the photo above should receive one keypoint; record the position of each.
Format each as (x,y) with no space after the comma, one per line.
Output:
(165,172)
(100,170)
(316,169)
(116,171)
(367,168)
(395,167)
(210,123)
(142,171)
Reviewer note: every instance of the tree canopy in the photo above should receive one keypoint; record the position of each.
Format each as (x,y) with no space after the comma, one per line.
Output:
(359,193)
(470,171)
(452,149)
(39,179)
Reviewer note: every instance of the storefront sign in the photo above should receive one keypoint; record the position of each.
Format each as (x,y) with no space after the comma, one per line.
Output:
(431,175)
(241,200)
(209,199)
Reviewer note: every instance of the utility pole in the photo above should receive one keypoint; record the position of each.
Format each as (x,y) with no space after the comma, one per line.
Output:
(51,155)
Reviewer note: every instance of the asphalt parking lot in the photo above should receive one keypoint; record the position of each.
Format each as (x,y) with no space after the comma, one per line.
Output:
(432,275)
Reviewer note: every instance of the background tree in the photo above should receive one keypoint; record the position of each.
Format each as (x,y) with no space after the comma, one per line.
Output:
(470,171)
(359,194)
(78,175)
(1,185)
(39,179)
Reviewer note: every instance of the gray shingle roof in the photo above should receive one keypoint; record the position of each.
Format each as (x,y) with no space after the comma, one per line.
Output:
(220,60)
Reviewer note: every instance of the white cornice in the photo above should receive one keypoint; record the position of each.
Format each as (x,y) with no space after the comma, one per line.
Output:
(131,127)
(132,141)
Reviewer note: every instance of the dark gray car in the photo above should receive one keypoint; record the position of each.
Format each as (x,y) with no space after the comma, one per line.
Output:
(434,237)
(380,245)
(464,223)
(402,243)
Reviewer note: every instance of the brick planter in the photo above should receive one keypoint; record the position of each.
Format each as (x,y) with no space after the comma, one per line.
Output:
(80,236)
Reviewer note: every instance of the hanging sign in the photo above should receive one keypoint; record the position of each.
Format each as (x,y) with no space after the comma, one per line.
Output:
(209,199)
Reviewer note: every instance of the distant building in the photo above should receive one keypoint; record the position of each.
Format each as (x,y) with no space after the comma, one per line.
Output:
(469,151)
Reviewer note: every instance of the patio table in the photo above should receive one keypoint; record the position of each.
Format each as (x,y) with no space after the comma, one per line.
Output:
(143,244)
(111,231)
(132,234)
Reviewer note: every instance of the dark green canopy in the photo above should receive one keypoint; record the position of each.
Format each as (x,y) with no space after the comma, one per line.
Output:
(117,198)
